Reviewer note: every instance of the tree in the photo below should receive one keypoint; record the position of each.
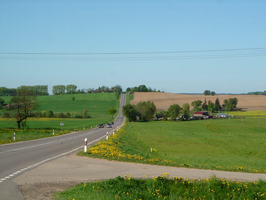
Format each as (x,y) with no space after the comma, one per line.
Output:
(204,105)
(211,106)
(1,103)
(207,92)
(196,104)
(59,89)
(186,110)
(112,111)
(217,105)
(212,93)
(71,89)
(130,112)
(230,104)
(23,105)
(146,110)
(85,113)
(173,111)
(118,91)
(50,113)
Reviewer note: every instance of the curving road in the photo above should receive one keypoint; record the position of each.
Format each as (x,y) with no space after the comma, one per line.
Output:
(17,158)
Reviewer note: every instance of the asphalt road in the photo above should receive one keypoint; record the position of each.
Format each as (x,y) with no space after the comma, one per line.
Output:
(17,158)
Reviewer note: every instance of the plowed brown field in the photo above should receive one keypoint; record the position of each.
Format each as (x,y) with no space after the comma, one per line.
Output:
(164,100)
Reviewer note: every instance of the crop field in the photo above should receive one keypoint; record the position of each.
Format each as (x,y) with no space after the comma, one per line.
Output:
(221,144)
(164,100)
(97,105)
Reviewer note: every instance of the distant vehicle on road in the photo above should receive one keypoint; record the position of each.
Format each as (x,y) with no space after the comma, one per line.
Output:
(112,123)
(109,125)
(101,126)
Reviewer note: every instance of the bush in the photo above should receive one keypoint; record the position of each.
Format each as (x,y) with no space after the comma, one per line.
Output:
(61,115)
(78,116)
(6,115)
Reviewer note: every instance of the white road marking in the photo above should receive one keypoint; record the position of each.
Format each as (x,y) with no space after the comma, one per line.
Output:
(41,162)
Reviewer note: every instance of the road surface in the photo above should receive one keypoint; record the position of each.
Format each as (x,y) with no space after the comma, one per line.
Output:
(17,158)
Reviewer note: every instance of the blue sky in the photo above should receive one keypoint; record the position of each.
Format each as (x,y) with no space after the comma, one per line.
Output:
(162,44)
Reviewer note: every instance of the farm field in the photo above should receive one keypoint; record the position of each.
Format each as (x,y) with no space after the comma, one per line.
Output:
(220,144)
(97,105)
(164,100)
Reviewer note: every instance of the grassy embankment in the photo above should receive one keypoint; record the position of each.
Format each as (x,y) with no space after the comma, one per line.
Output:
(97,105)
(208,144)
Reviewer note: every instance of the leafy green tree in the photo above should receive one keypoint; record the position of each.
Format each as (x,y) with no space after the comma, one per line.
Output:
(186,110)
(71,89)
(23,105)
(112,111)
(50,113)
(130,112)
(173,111)
(207,92)
(85,113)
(1,103)
(59,89)
(230,103)
(146,110)
(212,93)
(118,91)
(196,104)
(217,106)
(68,114)
(204,105)
(211,107)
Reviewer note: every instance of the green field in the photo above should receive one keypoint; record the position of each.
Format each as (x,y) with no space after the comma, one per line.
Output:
(97,105)
(220,144)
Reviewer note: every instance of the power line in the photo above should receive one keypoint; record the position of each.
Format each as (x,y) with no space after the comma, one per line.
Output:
(133,53)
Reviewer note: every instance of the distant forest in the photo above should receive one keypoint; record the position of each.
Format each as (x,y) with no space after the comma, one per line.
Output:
(257,93)
(72,89)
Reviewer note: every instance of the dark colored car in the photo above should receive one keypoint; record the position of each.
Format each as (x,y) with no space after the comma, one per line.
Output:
(112,123)
(101,126)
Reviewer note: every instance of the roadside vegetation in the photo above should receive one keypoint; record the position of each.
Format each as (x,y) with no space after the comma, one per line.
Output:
(164,187)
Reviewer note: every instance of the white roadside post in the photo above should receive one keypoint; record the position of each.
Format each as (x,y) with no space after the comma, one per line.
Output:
(85,146)
(83,128)
(113,131)
(14,136)
(106,135)
(91,126)
(53,131)
(151,149)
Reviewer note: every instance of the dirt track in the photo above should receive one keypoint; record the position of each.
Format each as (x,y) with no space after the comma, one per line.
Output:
(164,100)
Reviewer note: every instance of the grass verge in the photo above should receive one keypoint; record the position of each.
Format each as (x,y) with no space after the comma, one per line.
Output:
(163,187)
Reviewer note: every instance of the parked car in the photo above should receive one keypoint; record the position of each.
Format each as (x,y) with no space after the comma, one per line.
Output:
(101,126)
(109,125)
(112,123)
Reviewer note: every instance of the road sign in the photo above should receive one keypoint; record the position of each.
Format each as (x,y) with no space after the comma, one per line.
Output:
(61,124)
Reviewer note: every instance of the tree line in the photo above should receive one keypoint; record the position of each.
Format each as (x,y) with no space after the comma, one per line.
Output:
(140,88)
(36,89)
(145,111)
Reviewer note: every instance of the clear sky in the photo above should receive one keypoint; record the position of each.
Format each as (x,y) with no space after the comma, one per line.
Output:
(176,46)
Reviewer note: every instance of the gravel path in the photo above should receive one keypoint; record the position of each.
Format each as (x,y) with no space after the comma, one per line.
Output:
(57,175)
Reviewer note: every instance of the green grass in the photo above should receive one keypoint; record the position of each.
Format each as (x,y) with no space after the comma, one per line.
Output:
(129,97)
(220,144)
(163,187)
(97,105)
